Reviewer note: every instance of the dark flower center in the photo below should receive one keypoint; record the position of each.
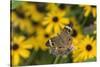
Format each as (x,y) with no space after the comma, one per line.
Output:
(15,47)
(74,34)
(88,47)
(34,34)
(46,35)
(55,19)
(35,23)
(41,8)
(62,6)
(20,13)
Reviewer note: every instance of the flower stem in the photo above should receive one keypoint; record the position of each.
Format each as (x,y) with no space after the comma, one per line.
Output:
(84,22)
(56,59)
(63,59)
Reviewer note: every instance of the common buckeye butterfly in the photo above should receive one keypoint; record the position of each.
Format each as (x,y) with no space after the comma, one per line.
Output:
(62,43)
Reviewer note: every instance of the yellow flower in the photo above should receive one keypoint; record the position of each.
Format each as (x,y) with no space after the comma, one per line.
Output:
(89,9)
(76,25)
(51,6)
(55,21)
(85,49)
(62,8)
(19,48)
(14,18)
(76,29)
(23,24)
(76,39)
(40,37)
(32,11)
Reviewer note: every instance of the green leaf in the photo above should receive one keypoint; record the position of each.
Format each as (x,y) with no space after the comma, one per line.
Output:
(91,60)
(15,4)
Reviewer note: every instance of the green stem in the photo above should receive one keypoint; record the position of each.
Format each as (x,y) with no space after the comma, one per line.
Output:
(63,59)
(84,22)
(30,60)
(56,59)
(81,16)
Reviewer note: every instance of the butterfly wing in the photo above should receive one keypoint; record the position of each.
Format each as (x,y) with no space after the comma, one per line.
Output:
(57,41)
(61,44)
(65,37)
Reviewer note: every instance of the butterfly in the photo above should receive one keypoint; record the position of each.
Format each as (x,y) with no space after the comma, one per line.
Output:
(62,43)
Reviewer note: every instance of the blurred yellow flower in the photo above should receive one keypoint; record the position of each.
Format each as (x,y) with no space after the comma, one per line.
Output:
(76,29)
(19,48)
(89,9)
(14,18)
(32,12)
(55,21)
(75,40)
(84,50)
(51,6)
(40,38)
(62,8)
(75,24)
(24,24)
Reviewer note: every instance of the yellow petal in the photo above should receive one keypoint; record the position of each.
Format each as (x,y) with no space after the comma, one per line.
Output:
(28,46)
(21,38)
(28,43)
(50,14)
(43,47)
(18,39)
(61,25)
(51,6)
(87,12)
(64,20)
(45,22)
(24,53)
(15,59)
(56,28)
(94,12)
(49,28)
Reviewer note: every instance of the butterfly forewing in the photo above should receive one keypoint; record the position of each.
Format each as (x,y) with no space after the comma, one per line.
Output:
(57,41)
(66,37)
